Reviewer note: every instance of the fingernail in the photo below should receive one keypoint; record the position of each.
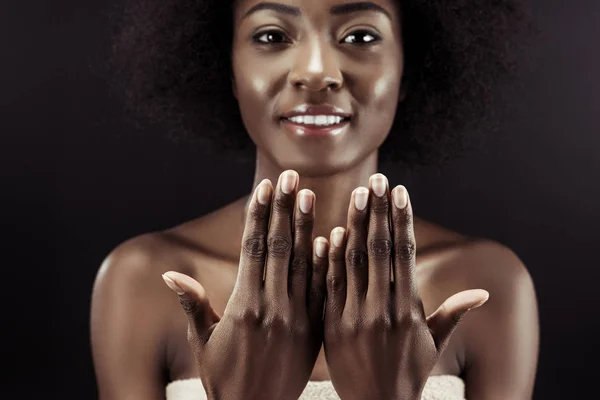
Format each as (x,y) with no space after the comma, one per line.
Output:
(320,247)
(172,285)
(400,199)
(378,182)
(361,196)
(264,192)
(288,183)
(306,201)
(337,237)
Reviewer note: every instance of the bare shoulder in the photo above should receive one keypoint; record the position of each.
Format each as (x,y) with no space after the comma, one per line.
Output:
(130,313)
(455,263)
(141,260)
(498,342)
(451,258)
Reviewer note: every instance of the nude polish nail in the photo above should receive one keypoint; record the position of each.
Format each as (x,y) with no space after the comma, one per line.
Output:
(172,285)
(337,237)
(400,197)
(361,197)
(306,201)
(288,182)
(379,183)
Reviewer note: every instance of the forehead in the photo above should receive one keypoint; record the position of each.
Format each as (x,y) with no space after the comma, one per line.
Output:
(243,8)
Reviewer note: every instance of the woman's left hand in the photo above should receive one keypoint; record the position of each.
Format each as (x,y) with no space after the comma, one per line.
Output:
(378,342)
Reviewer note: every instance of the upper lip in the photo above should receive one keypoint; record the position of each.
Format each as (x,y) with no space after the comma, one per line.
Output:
(322,109)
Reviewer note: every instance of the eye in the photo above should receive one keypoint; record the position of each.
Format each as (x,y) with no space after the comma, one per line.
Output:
(270,37)
(361,37)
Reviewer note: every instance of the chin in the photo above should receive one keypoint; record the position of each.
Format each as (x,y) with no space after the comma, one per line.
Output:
(318,164)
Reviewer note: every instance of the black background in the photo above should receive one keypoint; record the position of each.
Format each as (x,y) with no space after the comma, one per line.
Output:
(78,180)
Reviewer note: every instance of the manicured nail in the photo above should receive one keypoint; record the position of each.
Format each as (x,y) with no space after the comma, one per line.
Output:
(400,197)
(306,201)
(288,182)
(264,192)
(482,302)
(337,237)
(379,183)
(361,196)
(320,247)
(172,285)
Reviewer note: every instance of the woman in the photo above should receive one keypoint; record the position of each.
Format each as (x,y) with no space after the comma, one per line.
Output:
(369,308)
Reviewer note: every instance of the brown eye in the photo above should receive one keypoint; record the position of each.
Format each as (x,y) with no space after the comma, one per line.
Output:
(361,37)
(270,37)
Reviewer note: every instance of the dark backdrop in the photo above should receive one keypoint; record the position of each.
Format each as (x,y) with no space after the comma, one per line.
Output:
(78,180)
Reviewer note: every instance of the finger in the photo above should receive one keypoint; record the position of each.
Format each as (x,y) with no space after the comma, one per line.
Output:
(302,251)
(195,303)
(356,249)
(254,239)
(318,289)
(379,240)
(279,238)
(404,249)
(445,319)
(336,275)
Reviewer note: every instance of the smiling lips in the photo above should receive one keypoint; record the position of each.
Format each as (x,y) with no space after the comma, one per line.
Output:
(316,120)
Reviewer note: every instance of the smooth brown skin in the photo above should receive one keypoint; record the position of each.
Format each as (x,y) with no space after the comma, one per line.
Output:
(269,328)
(139,332)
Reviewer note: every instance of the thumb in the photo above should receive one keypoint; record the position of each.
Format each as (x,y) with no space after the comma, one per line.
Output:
(445,319)
(194,301)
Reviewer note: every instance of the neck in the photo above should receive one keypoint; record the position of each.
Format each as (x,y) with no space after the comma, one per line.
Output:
(332,191)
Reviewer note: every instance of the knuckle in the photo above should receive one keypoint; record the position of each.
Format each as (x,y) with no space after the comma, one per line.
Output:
(381,248)
(352,326)
(406,250)
(276,322)
(335,284)
(258,212)
(301,327)
(337,256)
(250,317)
(300,264)
(191,307)
(357,218)
(380,206)
(380,322)
(401,218)
(303,222)
(408,319)
(356,258)
(254,246)
(281,204)
(279,245)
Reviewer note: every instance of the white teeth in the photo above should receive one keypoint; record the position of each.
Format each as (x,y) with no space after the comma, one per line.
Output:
(320,120)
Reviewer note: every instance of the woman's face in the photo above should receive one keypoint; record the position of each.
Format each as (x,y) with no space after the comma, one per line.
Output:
(344,59)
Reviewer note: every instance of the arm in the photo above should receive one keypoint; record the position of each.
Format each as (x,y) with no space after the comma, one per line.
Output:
(128,304)
(502,337)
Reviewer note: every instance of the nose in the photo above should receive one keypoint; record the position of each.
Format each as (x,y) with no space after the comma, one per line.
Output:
(316,68)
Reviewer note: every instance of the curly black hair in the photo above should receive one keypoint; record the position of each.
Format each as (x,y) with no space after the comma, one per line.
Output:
(172,60)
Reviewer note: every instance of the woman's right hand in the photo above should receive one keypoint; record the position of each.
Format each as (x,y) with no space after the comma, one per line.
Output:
(267,341)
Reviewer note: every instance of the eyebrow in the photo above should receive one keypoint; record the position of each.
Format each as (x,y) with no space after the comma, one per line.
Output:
(341,9)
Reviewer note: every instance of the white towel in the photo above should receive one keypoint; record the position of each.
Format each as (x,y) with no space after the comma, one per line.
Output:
(438,387)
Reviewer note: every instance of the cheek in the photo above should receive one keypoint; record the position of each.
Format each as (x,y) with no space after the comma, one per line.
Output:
(384,90)
(381,101)
(252,89)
